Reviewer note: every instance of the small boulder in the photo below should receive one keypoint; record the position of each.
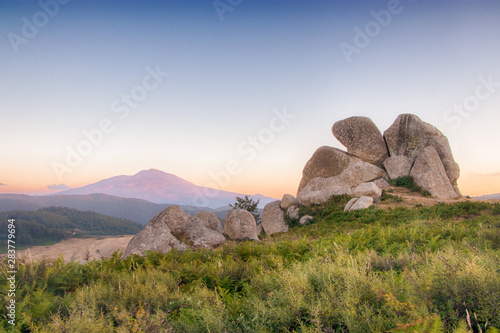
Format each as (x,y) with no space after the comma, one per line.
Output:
(293,212)
(362,138)
(273,218)
(240,224)
(201,235)
(398,166)
(367,190)
(210,220)
(349,204)
(362,203)
(156,236)
(305,219)
(325,162)
(429,173)
(288,201)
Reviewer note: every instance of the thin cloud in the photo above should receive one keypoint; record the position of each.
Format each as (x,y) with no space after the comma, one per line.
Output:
(58,187)
(496,174)
(2,184)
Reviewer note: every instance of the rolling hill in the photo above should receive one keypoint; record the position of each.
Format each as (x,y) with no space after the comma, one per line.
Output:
(137,210)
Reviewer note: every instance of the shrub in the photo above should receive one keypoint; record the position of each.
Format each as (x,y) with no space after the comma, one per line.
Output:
(409,183)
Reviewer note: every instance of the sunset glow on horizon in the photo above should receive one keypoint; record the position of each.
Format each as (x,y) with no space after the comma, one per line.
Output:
(237,99)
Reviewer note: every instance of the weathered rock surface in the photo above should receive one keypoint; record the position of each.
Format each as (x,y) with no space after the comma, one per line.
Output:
(305,219)
(175,218)
(362,138)
(210,220)
(156,236)
(358,172)
(240,224)
(325,162)
(350,203)
(367,190)
(273,218)
(409,135)
(288,201)
(293,212)
(381,183)
(429,173)
(362,203)
(202,235)
(319,190)
(398,166)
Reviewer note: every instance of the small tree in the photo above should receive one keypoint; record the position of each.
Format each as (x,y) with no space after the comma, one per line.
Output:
(247,204)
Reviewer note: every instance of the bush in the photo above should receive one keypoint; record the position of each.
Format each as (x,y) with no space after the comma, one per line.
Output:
(409,183)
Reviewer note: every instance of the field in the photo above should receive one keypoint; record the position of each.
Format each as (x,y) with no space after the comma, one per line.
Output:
(421,269)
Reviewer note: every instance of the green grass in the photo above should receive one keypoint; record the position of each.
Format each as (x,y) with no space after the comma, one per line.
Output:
(426,269)
(409,183)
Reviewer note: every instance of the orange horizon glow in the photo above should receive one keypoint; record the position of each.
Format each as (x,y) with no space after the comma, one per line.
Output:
(471,184)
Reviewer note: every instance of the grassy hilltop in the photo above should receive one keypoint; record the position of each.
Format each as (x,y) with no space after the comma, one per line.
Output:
(421,269)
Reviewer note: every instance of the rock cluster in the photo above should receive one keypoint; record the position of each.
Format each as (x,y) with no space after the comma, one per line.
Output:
(408,147)
(175,229)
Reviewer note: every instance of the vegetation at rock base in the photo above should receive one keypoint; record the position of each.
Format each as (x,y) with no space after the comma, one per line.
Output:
(409,183)
(53,224)
(425,269)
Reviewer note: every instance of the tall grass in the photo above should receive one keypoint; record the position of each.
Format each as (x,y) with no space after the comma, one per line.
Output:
(426,269)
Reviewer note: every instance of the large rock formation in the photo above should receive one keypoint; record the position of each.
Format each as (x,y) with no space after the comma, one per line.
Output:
(409,135)
(325,162)
(319,190)
(156,236)
(331,171)
(398,166)
(362,139)
(240,224)
(429,173)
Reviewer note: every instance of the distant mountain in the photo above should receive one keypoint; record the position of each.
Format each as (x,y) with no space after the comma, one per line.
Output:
(489,196)
(137,210)
(162,188)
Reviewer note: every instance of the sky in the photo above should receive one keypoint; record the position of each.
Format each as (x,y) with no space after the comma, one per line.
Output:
(236,94)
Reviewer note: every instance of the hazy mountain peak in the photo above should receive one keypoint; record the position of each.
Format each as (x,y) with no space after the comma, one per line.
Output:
(161,187)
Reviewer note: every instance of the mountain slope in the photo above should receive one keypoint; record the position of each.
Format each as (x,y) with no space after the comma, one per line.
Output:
(137,210)
(489,196)
(160,187)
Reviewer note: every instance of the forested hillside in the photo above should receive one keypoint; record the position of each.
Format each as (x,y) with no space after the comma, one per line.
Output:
(53,224)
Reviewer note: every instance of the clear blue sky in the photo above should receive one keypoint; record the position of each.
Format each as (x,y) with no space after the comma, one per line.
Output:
(72,66)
